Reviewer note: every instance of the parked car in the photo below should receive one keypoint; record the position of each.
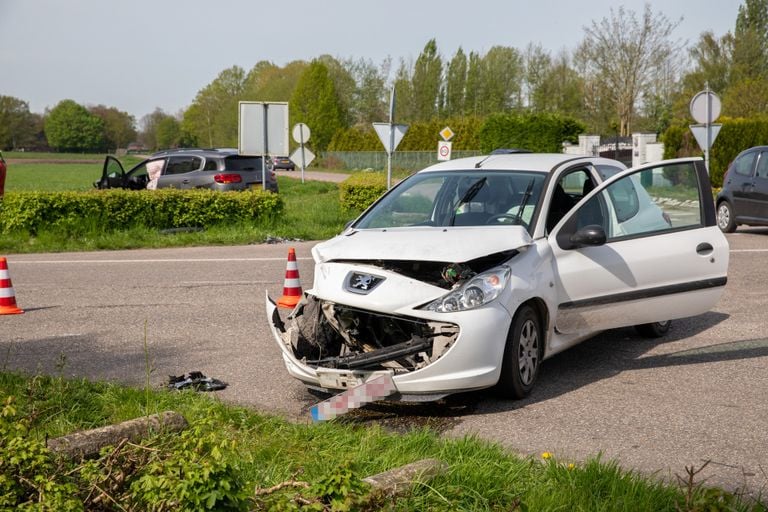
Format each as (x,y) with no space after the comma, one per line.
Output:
(470,273)
(215,169)
(3,171)
(744,196)
(283,162)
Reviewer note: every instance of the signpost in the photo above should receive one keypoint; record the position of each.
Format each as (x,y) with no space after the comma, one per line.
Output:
(302,156)
(390,135)
(444,146)
(263,131)
(705,108)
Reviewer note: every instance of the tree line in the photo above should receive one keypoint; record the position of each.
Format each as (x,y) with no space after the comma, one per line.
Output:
(627,74)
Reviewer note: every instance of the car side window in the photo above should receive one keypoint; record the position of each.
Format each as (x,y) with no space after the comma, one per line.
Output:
(568,190)
(745,164)
(646,202)
(210,165)
(183,164)
(762,165)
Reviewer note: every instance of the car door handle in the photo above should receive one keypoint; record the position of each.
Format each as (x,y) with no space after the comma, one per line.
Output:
(185,181)
(704,248)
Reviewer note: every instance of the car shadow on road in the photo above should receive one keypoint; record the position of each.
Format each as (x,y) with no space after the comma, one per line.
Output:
(601,357)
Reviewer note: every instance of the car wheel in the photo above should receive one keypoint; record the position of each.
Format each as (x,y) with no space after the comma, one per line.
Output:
(522,355)
(654,330)
(725,219)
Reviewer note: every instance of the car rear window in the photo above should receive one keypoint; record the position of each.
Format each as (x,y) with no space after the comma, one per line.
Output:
(242,163)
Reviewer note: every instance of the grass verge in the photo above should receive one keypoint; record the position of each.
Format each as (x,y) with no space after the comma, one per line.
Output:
(251,453)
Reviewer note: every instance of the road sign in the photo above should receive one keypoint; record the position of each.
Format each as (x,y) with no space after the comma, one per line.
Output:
(383,130)
(446,133)
(263,128)
(705,107)
(308,157)
(700,132)
(300,133)
(444,150)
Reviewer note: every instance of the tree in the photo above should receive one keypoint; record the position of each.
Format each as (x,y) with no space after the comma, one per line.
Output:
(70,127)
(625,54)
(558,88)
(750,41)
(212,117)
(473,87)
(315,102)
(168,133)
(268,82)
(501,74)
(344,83)
(119,127)
(369,104)
(404,106)
(18,127)
(455,84)
(537,63)
(426,82)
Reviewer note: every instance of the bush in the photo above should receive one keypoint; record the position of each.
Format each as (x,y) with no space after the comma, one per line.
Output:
(536,132)
(113,210)
(361,189)
(735,136)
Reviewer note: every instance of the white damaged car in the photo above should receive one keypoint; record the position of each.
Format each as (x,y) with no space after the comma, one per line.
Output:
(470,273)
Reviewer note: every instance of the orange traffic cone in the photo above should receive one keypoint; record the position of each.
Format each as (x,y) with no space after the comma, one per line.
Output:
(292,286)
(7,297)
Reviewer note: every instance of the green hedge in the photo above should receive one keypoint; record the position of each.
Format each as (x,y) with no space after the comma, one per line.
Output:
(735,136)
(118,209)
(543,133)
(361,189)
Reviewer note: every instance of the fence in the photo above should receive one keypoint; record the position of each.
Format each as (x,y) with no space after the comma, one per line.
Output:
(408,160)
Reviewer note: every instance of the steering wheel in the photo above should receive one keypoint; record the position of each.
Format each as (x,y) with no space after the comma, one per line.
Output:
(516,219)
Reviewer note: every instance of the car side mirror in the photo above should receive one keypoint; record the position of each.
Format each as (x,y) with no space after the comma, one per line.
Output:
(592,235)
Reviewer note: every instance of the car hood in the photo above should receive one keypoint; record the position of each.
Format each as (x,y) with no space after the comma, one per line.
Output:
(452,244)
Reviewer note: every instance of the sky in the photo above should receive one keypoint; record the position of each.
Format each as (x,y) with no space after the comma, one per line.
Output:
(139,55)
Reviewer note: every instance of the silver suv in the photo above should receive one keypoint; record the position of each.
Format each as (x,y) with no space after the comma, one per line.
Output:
(215,169)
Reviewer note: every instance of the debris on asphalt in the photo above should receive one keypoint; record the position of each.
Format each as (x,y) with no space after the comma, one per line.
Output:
(279,240)
(196,381)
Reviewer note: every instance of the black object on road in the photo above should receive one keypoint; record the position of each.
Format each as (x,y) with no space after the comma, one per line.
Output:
(196,381)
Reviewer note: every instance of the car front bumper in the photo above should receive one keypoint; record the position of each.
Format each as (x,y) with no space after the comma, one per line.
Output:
(472,361)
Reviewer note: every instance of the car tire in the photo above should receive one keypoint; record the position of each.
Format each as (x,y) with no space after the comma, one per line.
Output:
(654,330)
(725,218)
(522,355)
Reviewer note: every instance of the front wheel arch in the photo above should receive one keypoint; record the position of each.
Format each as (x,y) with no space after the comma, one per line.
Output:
(523,352)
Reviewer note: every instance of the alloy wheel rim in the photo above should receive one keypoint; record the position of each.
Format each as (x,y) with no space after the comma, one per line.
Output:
(528,356)
(723,217)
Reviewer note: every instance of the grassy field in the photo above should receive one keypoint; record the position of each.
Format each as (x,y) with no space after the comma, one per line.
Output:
(250,451)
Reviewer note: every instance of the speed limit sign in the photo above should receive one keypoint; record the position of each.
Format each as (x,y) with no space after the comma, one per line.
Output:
(444,150)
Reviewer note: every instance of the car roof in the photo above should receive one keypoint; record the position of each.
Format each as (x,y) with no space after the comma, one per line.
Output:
(541,162)
(208,152)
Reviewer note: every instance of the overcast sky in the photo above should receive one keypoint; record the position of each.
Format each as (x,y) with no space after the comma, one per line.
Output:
(138,55)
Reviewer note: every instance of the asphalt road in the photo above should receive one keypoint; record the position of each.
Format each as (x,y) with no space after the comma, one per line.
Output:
(654,405)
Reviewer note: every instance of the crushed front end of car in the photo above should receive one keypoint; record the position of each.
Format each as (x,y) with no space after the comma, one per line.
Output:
(412,319)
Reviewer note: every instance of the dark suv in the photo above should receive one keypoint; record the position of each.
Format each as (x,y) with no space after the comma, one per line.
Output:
(744,196)
(215,169)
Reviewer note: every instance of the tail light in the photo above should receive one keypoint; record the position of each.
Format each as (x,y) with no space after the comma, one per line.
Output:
(227,178)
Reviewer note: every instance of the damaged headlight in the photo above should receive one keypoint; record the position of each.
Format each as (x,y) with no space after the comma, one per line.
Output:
(477,291)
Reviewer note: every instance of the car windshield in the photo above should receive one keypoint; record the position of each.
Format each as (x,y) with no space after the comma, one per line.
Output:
(458,198)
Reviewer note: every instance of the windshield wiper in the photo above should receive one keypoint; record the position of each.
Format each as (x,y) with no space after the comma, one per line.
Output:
(526,197)
(467,197)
